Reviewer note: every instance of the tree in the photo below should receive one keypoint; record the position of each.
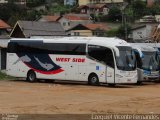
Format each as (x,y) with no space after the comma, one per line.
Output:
(123,31)
(154,10)
(139,8)
(129,14)
(111,33)
(114,14)
(59,9)
(35,3)
(7,10)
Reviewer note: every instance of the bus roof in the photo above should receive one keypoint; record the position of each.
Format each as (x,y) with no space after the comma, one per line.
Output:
(102,41)
(143,47)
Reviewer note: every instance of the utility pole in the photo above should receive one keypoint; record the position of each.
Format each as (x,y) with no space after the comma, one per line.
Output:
(124,22)
(125,27)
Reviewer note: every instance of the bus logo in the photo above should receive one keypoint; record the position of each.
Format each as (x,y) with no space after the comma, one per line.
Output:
(41,63)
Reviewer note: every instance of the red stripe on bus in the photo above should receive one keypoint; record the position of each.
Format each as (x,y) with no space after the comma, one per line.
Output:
(47,72)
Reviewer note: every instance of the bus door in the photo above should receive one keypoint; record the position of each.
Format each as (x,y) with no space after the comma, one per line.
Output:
(110,75)
(103,55)
(12,63)
(110,69)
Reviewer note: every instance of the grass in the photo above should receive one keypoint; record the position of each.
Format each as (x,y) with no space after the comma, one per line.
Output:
(3,76)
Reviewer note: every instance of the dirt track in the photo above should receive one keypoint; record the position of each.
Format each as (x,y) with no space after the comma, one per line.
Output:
(48,98)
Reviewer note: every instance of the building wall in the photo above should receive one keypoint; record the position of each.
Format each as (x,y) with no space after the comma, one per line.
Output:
(87,33)
(85,2)
(139,34)
(67,24)
(142,33)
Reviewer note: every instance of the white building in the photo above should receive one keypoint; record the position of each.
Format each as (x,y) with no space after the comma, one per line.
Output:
(141,33)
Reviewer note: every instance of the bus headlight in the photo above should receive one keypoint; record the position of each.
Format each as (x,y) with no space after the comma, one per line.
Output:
(119,76)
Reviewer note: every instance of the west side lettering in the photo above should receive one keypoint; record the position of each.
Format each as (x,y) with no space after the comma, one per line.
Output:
(79,60)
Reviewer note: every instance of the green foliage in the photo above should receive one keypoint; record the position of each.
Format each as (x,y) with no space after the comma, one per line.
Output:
(154,10)
(111,33)
(5,77)
(129,14)
(12,13)
(8,10)
(122,31)
(139,8)
(114,14)
(59,9)
(35,3)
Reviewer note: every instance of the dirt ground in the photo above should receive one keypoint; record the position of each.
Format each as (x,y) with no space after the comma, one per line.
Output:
(72,98)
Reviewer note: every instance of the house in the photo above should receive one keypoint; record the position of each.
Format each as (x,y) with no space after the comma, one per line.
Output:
(141,33)
(88,30)
(70,2)
(4,28)
(27,29)
(20,2)
(49,18)
(3,1)
(70,20)
(148,19)
(94,8)
(85,2)
(156,33)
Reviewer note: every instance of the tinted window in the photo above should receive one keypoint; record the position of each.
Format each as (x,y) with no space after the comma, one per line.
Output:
(66,48)
(50,48)
(101,54)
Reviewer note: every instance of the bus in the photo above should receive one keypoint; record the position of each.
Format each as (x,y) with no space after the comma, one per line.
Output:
(91,59)
(157,47)
(147,63)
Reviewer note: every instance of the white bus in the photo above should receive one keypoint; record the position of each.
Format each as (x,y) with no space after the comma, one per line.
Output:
(157,47)
(147,64)
(92,59)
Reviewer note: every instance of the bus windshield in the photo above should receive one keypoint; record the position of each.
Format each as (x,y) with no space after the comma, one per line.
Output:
(149,61)
(126,59)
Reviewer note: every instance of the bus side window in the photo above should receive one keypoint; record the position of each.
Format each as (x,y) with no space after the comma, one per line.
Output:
(101,54)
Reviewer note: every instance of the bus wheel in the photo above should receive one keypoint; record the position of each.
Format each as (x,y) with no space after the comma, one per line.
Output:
(139,83)
(31,76)
(93,79)
(111,85)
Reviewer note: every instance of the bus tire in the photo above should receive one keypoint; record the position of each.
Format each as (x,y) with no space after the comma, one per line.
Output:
(93,79)
(139,83)
(111,85)
(31,76)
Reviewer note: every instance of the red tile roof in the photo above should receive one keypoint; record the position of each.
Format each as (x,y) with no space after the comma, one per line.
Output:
(72,17)
(97,26)
(4,25)
(51,18)
(96,6)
